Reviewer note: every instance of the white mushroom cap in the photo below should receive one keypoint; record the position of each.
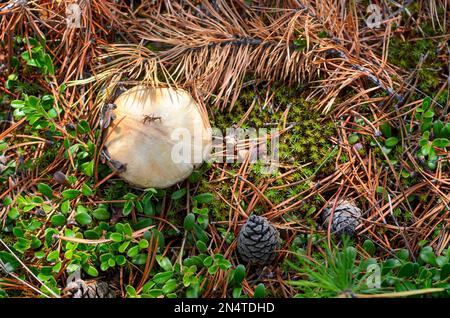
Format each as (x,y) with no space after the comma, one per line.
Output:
(159,135)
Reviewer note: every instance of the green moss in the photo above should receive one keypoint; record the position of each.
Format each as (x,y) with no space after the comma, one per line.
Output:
(408,55)
(306,142)
(308,139)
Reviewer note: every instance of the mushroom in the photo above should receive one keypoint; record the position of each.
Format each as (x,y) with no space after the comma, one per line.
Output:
(157,137)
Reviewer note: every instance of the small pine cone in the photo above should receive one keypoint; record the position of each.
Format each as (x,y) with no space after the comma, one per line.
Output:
(95,289)
(346,218)
(258,241)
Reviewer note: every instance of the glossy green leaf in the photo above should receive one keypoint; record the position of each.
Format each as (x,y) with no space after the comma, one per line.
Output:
(83,218)
(179,194)
(58,220)
(203,198)
(189,222)
(45,190)
(391,142)
(101,214)
(70,194)
(260,291)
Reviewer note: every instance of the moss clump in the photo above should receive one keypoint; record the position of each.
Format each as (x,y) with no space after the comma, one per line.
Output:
(307,140)
(410,54)
(305,147)
(217,208)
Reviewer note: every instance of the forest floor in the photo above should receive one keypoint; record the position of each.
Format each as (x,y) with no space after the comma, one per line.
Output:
(363,116)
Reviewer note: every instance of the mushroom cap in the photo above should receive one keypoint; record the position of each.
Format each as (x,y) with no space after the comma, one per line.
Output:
(159,135)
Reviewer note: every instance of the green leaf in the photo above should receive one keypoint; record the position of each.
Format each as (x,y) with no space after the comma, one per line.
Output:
(426,102)
(116,237)
(403,254)
(88,168)
(189,222)
(130,291)
(369,247)
(155,293)
(3,145)
(13,214)
(441,142)
(83,127)
(133,251)
(11,263)
(169,286)
(38,254)
(391,142)
(353,139)
(86,190)
(127,208)
(425,150)
(143,243)
(48,64)
(386,130)
(208,261)
(407,270)
(224,264)
(58,220)
(91,235)
(446,131)
(124,246)
(52,113)
(203,198)
(163,277)
(121,260)
(45,190)
(438,126)
(201,246)
(441,260)
(139,259)
(428,114)
(164,263)
(65,207)
(427,255)
(194,177)
(127,230)
(213,269)
(445,271)
(101,214)
(426,125)
(431,164)
(53,256)
(237,292)
(179,194)
(70,194)
(91,271)
(83,218)
(260,291)
(239,274)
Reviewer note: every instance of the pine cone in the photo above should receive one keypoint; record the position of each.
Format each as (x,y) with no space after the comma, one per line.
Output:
(346,218)
(258,241)
(95,289)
